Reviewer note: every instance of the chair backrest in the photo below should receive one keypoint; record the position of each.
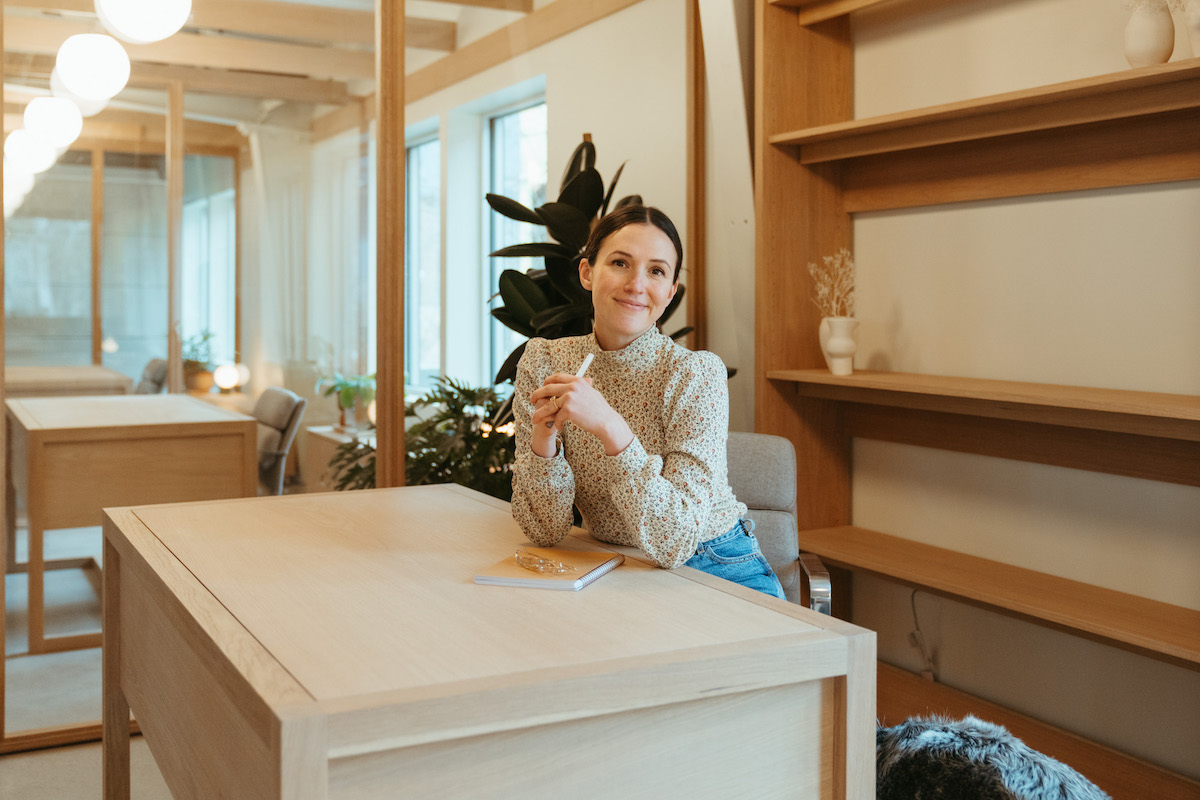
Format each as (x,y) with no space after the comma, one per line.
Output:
(762,473)
(154,377)
(278,412)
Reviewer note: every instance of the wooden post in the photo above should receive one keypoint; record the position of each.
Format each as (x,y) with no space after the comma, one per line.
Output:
(389,245)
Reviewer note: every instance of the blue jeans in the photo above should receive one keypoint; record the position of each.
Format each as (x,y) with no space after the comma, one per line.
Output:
(735,556)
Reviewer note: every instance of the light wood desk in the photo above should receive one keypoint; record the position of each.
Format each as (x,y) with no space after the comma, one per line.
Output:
(48,381)
(335,646)
(69,457)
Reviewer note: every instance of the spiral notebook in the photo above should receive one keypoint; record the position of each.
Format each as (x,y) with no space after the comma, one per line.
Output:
(568,570)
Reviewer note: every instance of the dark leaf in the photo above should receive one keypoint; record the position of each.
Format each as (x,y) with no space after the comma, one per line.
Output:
(585,192)
(631,200)
(584,158)
(535,249)
(564,277)
(611,186)
(550,318)
(506,319)
(512,209)
(508,370)
(671,306)
(682,332)
(567,224)
(521,294)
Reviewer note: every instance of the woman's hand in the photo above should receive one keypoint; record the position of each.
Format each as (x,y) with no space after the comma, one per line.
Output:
(564,397)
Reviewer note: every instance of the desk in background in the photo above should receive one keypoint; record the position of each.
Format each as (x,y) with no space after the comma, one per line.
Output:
(334,645)
(69,457)
(48,381)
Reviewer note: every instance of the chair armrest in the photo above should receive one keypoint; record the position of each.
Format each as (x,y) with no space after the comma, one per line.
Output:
(820,592)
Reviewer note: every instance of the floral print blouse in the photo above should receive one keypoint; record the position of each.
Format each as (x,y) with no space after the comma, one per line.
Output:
(667,491)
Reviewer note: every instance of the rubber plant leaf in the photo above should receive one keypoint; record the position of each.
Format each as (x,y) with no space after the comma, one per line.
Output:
(671,306)
(564,277)
(585,192)
(559,315)
(535,249)
(633,199)
(521,294)
(508,370)
(512,209)
(611,186)
(566,223)
(584,158)
(506,319)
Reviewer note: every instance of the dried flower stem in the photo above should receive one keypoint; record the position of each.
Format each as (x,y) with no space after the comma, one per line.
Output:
(833,284)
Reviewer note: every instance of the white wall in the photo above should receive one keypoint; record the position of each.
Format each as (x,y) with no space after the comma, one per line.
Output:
(1089,288)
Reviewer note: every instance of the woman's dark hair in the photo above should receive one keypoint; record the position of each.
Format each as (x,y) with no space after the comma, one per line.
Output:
(633,215)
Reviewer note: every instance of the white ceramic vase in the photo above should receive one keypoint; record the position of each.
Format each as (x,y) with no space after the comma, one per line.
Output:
(838,343)
(1149,34)
(1191,18)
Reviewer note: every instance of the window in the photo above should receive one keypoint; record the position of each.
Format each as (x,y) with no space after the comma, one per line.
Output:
(209,270)
(423,264)
(517,153)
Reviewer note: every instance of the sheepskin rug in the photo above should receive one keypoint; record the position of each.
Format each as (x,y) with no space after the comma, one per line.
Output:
(934,758)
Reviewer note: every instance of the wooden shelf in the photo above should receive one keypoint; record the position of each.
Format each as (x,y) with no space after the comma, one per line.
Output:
(902,695)
(1116,96)
(1167,416)
(811,12)
(1149,625)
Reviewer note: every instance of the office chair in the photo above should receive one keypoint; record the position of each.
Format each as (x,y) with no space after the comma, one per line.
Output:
(278,412)
(762,473)
(154,377)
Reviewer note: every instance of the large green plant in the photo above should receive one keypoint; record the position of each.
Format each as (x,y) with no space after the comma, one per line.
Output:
(453,442)
(551,302)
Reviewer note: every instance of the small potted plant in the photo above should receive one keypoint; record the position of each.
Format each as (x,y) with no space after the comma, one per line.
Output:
(197,362)
(833,293)
(353,392)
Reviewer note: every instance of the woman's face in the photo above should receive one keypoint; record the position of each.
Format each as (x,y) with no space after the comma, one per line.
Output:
(631,282)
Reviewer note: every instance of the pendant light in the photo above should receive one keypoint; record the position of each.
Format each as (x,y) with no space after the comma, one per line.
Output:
(88,108)
(143,21)
(55,119)
(29,153)
(93,66)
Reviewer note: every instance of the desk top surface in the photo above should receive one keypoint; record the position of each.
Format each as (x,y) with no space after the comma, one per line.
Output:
(115,411)
(358,593)
(26,377)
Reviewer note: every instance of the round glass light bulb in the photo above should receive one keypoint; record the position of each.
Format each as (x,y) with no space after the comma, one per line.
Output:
(29,152)
(109,345)
(92,65)
(225,376)
(371,412)
(143,21)
(88,108)
(55,119)
(243,374)
(16,180)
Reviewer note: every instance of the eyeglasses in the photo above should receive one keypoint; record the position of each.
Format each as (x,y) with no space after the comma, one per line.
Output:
(536,563)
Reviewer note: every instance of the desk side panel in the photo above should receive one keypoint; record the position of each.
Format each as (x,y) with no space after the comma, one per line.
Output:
(90,475)
(220,716)
(770,743)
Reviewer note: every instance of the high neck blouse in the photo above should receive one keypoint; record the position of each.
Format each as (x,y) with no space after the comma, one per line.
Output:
(666,492)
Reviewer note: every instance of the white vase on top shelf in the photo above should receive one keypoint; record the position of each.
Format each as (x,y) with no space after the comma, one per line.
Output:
(833,293)
(1150,33)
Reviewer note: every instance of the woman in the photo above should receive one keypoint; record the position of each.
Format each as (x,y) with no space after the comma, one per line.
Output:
(639,442)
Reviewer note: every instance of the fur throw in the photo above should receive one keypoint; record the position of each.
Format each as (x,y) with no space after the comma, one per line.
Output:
(936,758)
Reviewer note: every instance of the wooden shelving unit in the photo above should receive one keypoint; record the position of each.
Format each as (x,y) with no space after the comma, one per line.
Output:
(1158,629)
(815,166)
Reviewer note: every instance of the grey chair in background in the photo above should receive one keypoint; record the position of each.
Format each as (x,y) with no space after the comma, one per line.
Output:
(762,473)
(154,377)
(278,412)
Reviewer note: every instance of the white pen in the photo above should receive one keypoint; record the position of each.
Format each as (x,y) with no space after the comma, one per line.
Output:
(587,362)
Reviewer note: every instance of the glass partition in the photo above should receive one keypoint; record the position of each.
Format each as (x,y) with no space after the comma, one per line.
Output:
(48,272)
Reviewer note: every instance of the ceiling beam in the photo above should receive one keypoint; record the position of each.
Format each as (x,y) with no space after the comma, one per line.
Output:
(430,34)
(201,79)
(45,35)
(524,6)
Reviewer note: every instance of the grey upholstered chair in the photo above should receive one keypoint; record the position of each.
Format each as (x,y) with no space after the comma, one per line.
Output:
(154,377)
(762,473)
(278,412)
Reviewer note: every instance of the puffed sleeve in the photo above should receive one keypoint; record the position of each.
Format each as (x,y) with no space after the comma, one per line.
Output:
(543,488)
(668,498)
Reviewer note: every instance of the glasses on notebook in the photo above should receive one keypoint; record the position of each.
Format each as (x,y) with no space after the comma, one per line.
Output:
(536,563)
